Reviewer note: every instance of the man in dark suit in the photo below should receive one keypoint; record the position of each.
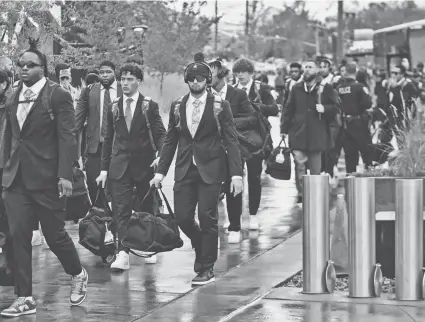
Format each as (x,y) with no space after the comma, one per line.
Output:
(243,114)
(202,126)
(129,152)
(40,148)
(92,108)
(259,94)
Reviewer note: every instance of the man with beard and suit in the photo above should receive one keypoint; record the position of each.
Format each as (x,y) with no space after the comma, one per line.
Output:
(308,112)
(129,153)
(202,126)
(93,108)
(259,94)
(245,121)
(39,151)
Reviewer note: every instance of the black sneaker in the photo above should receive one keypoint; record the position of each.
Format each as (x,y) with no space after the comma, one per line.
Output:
(21,306)
(300,199)
(204,277)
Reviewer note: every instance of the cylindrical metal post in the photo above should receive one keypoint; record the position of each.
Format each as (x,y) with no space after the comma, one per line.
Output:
(361,236)
(316,252)
(408,239)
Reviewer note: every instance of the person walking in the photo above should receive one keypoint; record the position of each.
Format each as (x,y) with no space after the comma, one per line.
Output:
(39,151)
(202,126)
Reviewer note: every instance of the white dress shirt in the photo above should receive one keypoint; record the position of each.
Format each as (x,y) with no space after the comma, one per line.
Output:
(222,93)
(133,104)
(35,89)
(112,95)
(190,108)
(247,86)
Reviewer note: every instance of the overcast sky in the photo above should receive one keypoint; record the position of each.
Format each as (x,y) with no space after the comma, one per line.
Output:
(233,11)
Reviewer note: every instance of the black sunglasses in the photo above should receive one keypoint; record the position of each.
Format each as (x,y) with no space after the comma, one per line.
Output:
(64,78)
(30,65)
(199,78)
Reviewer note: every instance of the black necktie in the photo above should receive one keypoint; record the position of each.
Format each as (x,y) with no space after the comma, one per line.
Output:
(106,104)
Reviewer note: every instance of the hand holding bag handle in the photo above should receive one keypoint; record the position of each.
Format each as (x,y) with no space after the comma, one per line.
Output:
(100,200)
(152,190)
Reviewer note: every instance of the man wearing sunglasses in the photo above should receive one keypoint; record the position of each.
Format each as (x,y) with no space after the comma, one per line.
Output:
(39,152)
(202,126)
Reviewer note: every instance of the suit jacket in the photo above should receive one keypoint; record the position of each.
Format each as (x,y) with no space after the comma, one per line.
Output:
(265,101)
(123,149)
(88,109)
(206,146)
(43,150)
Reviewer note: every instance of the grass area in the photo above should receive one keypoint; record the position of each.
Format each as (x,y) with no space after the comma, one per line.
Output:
(173,88)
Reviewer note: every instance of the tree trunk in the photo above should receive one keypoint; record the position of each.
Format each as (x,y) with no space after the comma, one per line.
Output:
(161,82)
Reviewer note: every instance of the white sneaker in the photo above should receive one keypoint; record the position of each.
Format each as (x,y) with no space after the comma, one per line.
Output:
(234,237)
(122,262)
(226,224)
(36,238)
(253,223)
(151,260)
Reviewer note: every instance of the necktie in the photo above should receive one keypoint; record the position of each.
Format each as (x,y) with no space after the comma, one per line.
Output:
(128,116)
(196,116)
(24,108)
(106,105)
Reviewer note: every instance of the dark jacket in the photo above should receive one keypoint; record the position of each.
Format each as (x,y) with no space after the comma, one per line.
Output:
(206,147)
(122,149)
(354,97)
(308,130)
(261,94)
(2,129)
(44,149)
(88,109)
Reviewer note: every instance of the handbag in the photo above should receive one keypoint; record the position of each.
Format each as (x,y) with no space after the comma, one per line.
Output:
(152,233)
(78,204)
(279,163)
(97,227)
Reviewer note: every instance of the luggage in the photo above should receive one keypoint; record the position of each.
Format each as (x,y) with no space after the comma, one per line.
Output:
(97,227)
(279,162)
(78,204)
(152,233)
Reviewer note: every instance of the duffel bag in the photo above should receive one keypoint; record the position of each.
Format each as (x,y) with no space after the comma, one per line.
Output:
(95,229)
(152,232)
(279,163)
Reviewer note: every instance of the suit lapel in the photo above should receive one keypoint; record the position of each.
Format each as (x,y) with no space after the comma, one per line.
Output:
(230,93)
(122,118)
(13,108)
(37,102)
(208,107)
(97,94)
(137,112)
(252,93)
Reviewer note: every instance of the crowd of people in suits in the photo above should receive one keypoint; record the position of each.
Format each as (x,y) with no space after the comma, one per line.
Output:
(215,130)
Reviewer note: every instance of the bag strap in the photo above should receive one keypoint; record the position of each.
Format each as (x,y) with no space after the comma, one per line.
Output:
(101,194)
(145,107)
(151,190)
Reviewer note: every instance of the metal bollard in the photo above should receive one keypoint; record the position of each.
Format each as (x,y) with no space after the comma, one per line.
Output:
(365,277)
(408,239)
(318,271)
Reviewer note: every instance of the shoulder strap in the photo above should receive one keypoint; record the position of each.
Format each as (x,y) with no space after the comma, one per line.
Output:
(217,109)
(145,107)
(47,98)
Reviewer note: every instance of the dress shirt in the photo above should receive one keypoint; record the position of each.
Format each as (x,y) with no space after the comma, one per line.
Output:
(133,104)
(190,107)
(222,93)
(35,89)
(247,86)
(112,94)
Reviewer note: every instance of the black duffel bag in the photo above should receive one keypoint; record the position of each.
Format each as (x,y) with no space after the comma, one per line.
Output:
(152,233)
(279,162)
(94,227)
(78,204)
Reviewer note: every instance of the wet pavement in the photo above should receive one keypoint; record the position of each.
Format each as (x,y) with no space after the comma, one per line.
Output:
(162,291)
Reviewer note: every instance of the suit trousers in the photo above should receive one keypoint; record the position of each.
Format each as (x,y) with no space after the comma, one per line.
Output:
(255,168)
(122,200)
(189,192)
(22,206)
